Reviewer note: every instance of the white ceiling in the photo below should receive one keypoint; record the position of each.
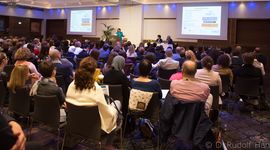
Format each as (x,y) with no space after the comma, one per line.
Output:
(49,4)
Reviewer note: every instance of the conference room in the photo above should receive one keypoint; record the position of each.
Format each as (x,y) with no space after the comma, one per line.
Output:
(134,74)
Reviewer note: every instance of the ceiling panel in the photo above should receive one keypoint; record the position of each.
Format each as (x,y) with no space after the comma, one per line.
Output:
(48,4)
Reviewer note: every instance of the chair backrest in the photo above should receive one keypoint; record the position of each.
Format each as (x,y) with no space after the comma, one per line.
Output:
(61,83)
(166,74)
(116,92)
(152,110)
(3,92)
(225,82)
(8,69)
(78,60)
(19,102)
(247,86)
(84,121)
(164,83)
(47,110)
(214,90)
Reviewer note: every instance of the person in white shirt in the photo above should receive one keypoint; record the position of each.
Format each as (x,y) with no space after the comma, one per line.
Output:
(131,52)
(168,63)
(84,91)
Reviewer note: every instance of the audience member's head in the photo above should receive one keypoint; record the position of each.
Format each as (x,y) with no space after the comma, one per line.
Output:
(47,69)
(248,58)
(223,61)
(190,55)
(131,49)
(3,60)
(18,77)
(95,54)
(145,67)
(55,54)
(207,62)
(182,52)
(257,50)
(23,54)
(151,57)
(189,68)
(110,58)
(118,63)
(236,52)
(78,44)
(169,52)
(84,74)
(159,36)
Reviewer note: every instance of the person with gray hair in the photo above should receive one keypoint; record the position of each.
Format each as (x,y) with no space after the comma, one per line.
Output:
(116,76)
(168,63)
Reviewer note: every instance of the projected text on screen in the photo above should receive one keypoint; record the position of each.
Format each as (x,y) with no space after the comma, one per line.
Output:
(81,21)
(201,20)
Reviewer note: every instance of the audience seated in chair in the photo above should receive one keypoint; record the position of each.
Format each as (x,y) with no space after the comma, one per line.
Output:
(190,89)
(168,63)
(21,57)
(248,70)
(47,85)
(63,67)
(222,66)
(116,75)
(143,82)
(208,76)
(3,63)
(84,91)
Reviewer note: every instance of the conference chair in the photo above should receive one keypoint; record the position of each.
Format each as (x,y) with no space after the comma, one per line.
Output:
(189,125)
(116,92)
(214,111)
(8,69)
(20,103)
(166,74)
(47,112)
(83,122)
(225,79)
(3,92)
(247,86)
(164,83)
(151,113)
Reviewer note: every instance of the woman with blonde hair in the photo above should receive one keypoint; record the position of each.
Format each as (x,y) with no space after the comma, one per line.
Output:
(19,78)
(191,56)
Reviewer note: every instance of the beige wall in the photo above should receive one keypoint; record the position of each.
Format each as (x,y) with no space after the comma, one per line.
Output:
(131,22)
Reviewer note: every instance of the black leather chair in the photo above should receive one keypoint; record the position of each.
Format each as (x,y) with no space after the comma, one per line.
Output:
(225,83)
(3,92)
(116,92)
(247,86)
(164,83)
(166,74)
(8,69)
(151,112)
(214,111)
(84,122)
(47,112)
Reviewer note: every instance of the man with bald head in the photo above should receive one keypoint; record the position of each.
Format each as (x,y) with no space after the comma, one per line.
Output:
(190,89)
(63,67)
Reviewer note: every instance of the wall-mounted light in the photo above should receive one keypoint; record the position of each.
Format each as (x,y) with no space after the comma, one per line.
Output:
(20,22)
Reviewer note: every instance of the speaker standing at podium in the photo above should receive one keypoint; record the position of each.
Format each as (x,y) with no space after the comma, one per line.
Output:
(120,34)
